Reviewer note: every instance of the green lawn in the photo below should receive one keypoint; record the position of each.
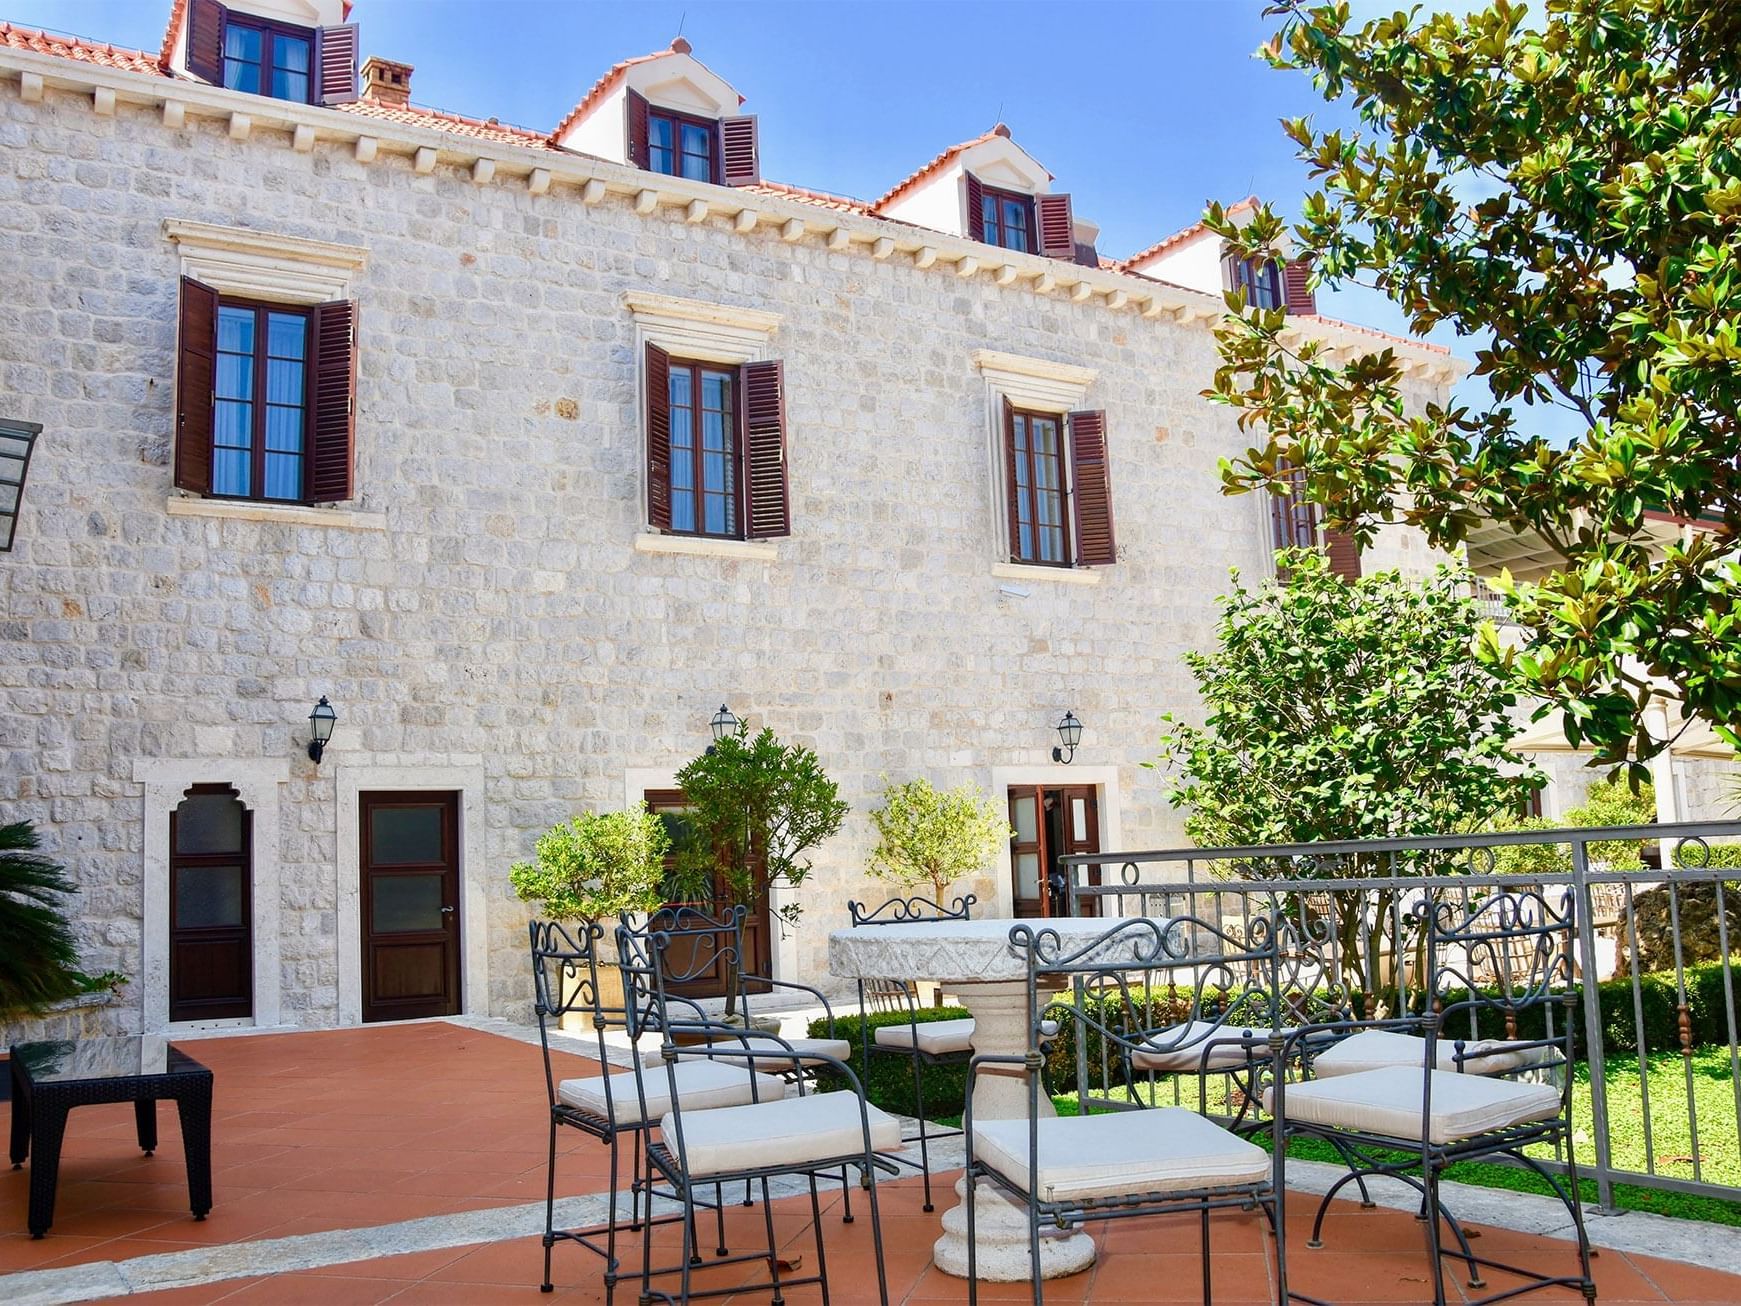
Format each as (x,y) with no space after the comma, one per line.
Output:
(1671,1135)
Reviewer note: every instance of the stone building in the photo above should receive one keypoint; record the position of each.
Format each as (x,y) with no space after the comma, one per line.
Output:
(526,450)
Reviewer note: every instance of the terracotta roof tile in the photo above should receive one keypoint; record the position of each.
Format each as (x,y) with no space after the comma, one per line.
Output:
(607,83)
(1413,342)
(943,160)
(822,199)
(411,115)
(1180,237)
(76,47)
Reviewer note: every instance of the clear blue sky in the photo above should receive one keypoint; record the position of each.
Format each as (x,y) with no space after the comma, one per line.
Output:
(1143,111)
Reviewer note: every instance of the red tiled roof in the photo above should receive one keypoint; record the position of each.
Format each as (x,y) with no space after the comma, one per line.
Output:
(943,160)
(822,199)
(608,82)
(410,115)
(75,47)
(1180,237)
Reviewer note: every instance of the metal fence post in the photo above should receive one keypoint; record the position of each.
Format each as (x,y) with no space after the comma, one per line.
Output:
(1593,1050)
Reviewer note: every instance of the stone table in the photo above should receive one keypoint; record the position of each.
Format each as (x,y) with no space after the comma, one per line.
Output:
(974,960)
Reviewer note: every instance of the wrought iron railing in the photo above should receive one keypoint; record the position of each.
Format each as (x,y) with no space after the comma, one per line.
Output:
(1655,950)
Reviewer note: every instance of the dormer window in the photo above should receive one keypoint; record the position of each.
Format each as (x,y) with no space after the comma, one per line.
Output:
(681,146)
(266,58)
(1260,279)
(1006,219)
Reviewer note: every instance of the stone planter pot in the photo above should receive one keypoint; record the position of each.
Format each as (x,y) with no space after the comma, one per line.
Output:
(610,997)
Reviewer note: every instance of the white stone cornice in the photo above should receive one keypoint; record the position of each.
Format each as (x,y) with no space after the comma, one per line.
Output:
(30,87)
(302,139)
(174,115)
(745,220)
(1038,381)
(793,230)
(693,328)
(367,148)
(423,161)
(1005,274)
(538,181)
(696,212)
(600,178)
(966,266)
(483,172)
(103,102)
(241,126)
(240,261)
(839,238)
(646,200)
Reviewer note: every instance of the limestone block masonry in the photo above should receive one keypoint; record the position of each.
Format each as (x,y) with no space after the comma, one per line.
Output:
(492,616)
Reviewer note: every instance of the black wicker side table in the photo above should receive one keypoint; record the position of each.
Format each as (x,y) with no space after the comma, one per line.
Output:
(50,1079)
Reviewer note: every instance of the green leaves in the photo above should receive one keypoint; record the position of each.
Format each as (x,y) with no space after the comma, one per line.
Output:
(1344,710)
(929,838)
(597,865)
(1567,189)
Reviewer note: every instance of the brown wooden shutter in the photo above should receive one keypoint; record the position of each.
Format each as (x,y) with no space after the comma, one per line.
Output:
(1091,483)
(205,40)
(658,378)
(636,110)
(196,378)
(1009,477)
(1057,227)
(1296,292)
(1344,554)
(975,229)
(767,502)
(739,159)
(335,56)
(333,422)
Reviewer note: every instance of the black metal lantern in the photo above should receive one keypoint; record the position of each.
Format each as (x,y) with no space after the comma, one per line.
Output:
(1069,735)
(723,724)
(320,724)
(17,439)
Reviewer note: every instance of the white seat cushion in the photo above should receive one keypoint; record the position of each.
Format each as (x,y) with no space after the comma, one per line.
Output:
(1122,1154)
(934,1037)
(735,1049)
(795,1132)
(701,1085)
(1388,1103)
(1378,1049)
(1182,1047)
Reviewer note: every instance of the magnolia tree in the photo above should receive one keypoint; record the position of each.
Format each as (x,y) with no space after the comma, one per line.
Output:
(929,838)
(1565,188)
(1345,710)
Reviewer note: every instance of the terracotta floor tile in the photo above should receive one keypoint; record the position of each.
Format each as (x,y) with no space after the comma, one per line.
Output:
(315,1290)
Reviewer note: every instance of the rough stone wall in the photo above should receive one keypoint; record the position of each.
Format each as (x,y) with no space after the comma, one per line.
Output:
(503,618)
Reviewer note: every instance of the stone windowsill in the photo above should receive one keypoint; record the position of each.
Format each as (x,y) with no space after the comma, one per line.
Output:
(279,514)
(701,547)
(1064,575)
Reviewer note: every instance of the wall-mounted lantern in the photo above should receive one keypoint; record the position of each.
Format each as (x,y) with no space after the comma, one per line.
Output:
(722,724)
(17,439)
(320,724)
(1069,735)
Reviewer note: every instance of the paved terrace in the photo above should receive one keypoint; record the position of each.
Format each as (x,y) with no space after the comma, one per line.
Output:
(405,1163)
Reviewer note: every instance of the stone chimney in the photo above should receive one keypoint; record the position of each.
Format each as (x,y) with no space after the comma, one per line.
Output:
(386,82)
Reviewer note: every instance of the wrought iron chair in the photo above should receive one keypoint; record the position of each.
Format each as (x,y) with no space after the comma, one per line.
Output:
(813,1135)
(613,1108)
(921,1043)
(1498,1099)
(1071,1170)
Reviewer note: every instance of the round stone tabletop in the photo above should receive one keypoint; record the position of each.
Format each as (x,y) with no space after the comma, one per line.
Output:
(960,952)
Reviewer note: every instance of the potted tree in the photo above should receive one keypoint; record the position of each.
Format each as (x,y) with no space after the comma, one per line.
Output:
(928,838)
(592,868)
(756,807)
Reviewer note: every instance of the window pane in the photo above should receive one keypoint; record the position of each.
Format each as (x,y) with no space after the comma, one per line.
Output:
(719,515)
(698,167)
(236,330)
(208,896)
(283,476)
(1027,831)
(988,219)
(1079,819)
(209,823)
(1015,223)
(696,144)
(241,42)
(682,429)
(231,423)
(683,473)
(235,376)
(405,834)
(284,429)
(231,472)
(682,507)
(716,391)
(1052,544)
(662,161)
(713,432)
(713,475)
(242,76)
(290,53)
(1027,875)
(405,902)
(284,382)
(286,335)
(662,146)
(289,86)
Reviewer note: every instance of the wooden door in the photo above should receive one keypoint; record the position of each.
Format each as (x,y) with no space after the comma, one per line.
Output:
(710,980)
(211,910)
(1029,862)
(409,850)
(1077,818)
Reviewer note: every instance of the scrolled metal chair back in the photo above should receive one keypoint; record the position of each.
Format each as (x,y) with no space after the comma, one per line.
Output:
(1506,962)
(565,981)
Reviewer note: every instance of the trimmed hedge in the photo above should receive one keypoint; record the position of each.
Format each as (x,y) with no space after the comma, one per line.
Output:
(888,1080)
